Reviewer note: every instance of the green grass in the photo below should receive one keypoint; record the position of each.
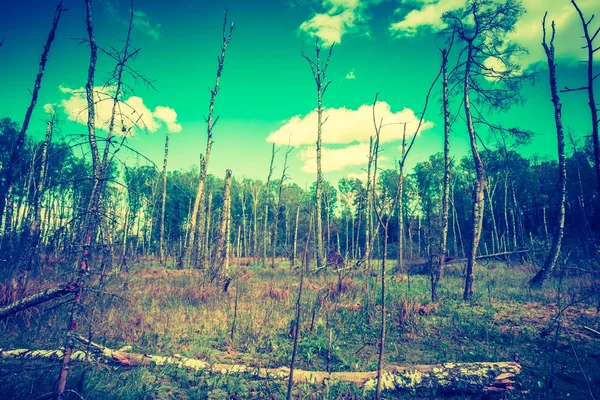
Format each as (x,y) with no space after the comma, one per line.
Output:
(165,312)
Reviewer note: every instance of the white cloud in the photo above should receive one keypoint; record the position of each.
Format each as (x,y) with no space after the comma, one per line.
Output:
(335,159)
(341,16)
(428,15)
(345,126)
(528,30)
(130,113)
(169,117)
(350,75)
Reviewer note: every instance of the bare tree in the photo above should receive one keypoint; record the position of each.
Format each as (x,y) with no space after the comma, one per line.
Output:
(549,264)
(9,173)
(437,272)
(265,235)
(591,77)
(319,72)
(92,211)
(210,124)
(161,248)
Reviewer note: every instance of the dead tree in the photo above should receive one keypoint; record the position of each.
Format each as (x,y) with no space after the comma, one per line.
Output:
(92,209)
(265,236)
(38,298)
(210,124)
(161,248)
(438,271)
(549,264)
(278,206)
(15,155)
(319,72)
(591,77)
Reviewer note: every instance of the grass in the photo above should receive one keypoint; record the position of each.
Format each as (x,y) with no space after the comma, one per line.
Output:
(166,311)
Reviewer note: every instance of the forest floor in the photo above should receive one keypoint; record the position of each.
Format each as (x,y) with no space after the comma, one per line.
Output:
(164,311)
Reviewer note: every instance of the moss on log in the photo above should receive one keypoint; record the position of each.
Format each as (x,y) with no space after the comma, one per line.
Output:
(477,377)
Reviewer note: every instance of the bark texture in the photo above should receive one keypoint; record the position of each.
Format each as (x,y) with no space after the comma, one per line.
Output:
(463,378)
(38,298)
(552,257)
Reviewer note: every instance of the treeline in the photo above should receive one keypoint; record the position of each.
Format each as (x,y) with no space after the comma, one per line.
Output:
(520,211)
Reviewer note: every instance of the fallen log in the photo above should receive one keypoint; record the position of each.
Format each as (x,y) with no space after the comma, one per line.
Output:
(38,298)
(423,266)
(458,378)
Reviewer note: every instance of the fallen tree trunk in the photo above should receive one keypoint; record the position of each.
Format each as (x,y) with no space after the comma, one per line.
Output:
(424,266)
(479,377)
(38,298)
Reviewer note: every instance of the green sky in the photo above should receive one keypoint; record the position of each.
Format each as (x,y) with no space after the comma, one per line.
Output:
(388,47)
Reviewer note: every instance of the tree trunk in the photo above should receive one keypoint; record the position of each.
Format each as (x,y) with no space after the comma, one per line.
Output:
(550,263)
(210,123)
(589,40)
(479,184)
(449,378)
(295,242)
(161,246)
(277,209)
(319,74)
(206,254)
(15,154)
(265,233)
(223,237)
(91,222)
(437,275)
(38,298)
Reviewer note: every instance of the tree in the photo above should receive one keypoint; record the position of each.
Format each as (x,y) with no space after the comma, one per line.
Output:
(591,77)
(489,76)
(319,72)
(223,235)
(161,248)
(436,275)
(210,124)
(8,172)
(552,257)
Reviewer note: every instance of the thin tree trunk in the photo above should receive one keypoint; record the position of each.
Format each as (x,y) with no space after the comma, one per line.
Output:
(210,123)
(319,74)
(265,232)
(479,184)
(91,222)
(550,263)
(207,259)
(589,40)
(277,208)
(17,149)
(435,279)
(223,237)
(161,244)
(295,242)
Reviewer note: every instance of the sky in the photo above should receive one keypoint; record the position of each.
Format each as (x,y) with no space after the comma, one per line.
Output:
(267,92)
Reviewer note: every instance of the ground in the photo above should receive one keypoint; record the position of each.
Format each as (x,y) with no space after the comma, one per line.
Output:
(164,311)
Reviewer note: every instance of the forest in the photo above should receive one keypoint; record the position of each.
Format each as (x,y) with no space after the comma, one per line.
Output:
(461,275)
